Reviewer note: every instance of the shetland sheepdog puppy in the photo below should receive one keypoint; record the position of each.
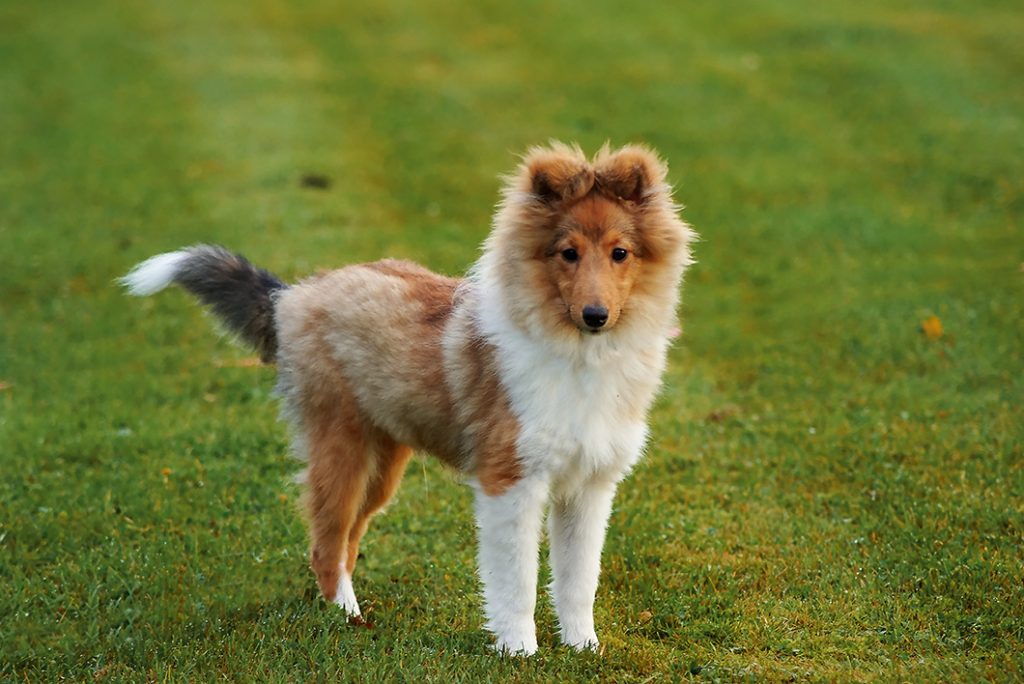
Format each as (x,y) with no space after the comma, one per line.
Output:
(532,375)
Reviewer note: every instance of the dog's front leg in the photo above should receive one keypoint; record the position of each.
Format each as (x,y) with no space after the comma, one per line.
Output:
(510,526)
(576,530)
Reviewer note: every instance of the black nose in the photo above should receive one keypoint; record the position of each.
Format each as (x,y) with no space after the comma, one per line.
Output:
(595,316)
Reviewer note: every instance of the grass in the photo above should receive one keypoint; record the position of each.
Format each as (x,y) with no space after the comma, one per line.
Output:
(829,494)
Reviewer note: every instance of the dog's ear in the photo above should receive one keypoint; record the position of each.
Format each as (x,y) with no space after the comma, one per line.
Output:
(557,173)
(630,174)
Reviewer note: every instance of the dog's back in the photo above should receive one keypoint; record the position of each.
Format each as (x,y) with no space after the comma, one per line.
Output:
(372,332)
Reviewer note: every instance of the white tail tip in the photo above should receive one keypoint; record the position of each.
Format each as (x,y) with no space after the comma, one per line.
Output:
(153,274)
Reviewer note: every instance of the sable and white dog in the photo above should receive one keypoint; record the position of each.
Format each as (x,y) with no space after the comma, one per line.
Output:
(533,375)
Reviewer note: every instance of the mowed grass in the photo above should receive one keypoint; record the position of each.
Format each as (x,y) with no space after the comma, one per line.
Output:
(830,493)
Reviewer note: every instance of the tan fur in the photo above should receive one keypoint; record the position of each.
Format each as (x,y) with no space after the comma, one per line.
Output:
(593,228)
(380,489)
(622,196)
(341,452)
(379,359)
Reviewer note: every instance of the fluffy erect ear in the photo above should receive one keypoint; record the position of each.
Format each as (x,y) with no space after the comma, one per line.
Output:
(557,173)
(632,173)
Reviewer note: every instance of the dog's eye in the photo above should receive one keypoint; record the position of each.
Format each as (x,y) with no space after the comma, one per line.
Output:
(570,255)
(619,254)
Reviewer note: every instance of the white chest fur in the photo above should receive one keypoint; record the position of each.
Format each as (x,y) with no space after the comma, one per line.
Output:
(582,411)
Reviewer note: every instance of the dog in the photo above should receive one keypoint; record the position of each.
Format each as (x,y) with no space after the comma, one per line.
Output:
(533,375)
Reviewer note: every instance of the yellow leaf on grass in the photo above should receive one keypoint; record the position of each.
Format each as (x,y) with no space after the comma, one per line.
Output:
(932,327)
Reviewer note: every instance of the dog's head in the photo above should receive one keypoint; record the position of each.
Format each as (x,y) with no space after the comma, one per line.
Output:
(591,239)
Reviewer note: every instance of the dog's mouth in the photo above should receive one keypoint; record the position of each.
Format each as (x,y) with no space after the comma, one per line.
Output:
(586,329)
(579,320)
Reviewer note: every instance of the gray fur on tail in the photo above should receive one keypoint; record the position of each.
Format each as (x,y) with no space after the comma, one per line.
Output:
(239,293)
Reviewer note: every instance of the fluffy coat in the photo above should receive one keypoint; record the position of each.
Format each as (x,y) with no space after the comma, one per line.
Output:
(533,375)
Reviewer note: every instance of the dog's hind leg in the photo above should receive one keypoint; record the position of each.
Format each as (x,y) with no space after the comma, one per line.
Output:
(341,460)
(381,487)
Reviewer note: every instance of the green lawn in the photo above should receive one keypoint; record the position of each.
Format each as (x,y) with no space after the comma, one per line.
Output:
(829,494)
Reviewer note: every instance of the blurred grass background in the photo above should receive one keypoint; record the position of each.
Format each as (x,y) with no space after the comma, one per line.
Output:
(834,486)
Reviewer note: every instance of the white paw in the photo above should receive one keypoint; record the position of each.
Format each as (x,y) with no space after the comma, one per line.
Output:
(582,642)
(346,596)
(517,646)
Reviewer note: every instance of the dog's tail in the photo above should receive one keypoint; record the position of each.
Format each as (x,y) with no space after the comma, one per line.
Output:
(240,294)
